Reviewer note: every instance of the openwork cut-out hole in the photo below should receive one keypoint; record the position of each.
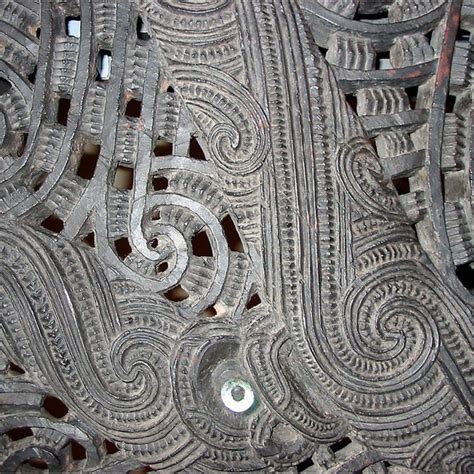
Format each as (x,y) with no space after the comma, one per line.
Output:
(73,26)
(64,105)
(55,407)
(88,161)
(177,294)
(19,433)
(123,247)
(123,178)
(195,150)
(160,183)
(78,452)
(163,147)
(142,32)
(253,301)
(231,234)
(201,245)
(53,223)
(104,65)
(110,447)
(133,108)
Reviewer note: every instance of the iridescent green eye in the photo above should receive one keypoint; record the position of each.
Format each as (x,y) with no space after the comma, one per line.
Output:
(237,395)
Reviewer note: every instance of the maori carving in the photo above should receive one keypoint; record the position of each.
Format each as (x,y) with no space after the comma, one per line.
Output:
(236,235)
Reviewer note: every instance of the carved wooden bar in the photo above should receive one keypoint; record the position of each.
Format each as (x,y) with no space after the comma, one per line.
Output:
(236,235)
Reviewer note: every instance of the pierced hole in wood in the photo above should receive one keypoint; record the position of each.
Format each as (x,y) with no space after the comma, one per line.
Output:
(465,273)
(231,234)
(463,35)
(159,183)
(201,245)
(133,108)
(142,32)
(36,463)
(402,185)
(155,215)
(382,60)
(23,142)
(372,16)
(64,105)
(15,369)
(195,150)
(163,147)
(53,223)
(19,433)
(307,463)
(123,178)
(443,186)
(104,65)
(88,161)
(38,33)
(78,452)
(177,293)
(123,247)
(352,101)
(322,50)
(341,444)
(89,239)
(450,103)
(141,470)
(32,75)
(73,26)
(161,267)
(369,6)
(373,143)
(413,226)
(428,36)
(110,447)
(209,312)
(412,93)
(253,301)
(5,86)
(170,89)
(55,407)
(39,180)
(154,243)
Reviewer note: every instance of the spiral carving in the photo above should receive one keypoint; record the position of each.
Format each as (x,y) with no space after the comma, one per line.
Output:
(203,32)
(449,451)
(387,341)
(16,100)
(361,175)
(126,379)
(160,229)
(389,336)
(204,263)
(203,7)
(206,360)
(236,127)
(265,355)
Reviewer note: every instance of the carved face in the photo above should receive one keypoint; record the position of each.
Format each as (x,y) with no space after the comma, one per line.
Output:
(206,263)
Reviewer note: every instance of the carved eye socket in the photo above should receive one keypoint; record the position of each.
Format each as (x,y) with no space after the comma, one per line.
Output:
(237,395)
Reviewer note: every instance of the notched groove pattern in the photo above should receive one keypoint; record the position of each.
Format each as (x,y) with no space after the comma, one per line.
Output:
(236,236)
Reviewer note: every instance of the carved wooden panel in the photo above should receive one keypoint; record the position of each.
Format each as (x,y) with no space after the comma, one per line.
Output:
(236,235)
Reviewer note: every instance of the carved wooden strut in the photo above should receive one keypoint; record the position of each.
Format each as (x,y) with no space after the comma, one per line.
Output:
(236,235)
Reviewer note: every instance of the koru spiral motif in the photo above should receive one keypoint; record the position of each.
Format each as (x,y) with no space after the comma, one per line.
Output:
(236,235)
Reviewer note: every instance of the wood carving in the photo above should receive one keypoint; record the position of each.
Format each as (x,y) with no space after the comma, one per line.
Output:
(236,236)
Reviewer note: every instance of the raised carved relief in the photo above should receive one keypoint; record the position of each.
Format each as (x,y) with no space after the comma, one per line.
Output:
(236,235)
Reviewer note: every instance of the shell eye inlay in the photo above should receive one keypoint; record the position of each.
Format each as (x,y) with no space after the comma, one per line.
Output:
(237,395)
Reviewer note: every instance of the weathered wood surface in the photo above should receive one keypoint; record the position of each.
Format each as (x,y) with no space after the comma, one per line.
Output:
(236,235)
